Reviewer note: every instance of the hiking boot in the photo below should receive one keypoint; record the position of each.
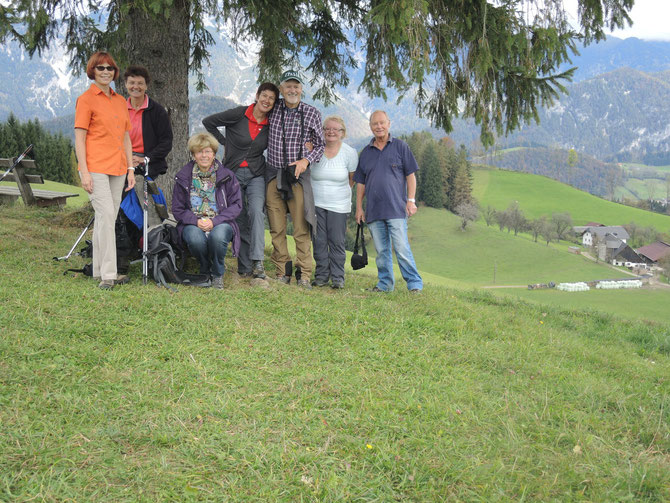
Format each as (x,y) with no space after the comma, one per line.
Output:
(217,282)
(121,279)
(376,289)
(247,274)
(304,283)
(415,290)
(106,284)
(257,269)
(319,283)
(284,279)
(337,284)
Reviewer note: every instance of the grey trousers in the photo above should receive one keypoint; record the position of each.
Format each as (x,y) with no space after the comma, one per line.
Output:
(329,245)
(251,220)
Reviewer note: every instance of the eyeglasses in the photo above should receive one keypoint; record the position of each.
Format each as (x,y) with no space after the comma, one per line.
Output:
(332,129)
(102,68)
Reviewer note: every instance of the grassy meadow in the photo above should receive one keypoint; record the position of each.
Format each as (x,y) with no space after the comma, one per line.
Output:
(471,256)
(280,394)
(466,260)
(539,195)
(632,166)
(635,304)
(640,188)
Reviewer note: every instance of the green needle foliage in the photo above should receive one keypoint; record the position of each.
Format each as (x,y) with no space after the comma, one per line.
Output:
(52,152)
(494,61)
(281,394)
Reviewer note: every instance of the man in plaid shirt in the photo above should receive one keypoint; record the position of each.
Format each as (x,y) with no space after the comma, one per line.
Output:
(289,190)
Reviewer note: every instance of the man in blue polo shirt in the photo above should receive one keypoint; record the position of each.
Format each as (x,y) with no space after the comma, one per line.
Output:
(385,175)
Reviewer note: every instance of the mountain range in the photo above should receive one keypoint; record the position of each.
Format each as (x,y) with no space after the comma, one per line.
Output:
(615,109)
(620,116)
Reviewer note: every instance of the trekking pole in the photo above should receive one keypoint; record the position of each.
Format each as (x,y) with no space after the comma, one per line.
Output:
(145,223)
(58,259)
(18,160)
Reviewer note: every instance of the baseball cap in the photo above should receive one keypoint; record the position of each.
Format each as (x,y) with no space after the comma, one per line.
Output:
(291,75)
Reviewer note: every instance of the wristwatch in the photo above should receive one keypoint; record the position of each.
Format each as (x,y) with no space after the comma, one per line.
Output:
(411,200)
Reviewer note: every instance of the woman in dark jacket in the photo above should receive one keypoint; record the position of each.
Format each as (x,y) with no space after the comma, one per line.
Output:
(245,141)
(151,131)
(205,202)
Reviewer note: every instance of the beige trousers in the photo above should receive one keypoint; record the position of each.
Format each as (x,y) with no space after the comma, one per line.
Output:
(277,211)
(106,198)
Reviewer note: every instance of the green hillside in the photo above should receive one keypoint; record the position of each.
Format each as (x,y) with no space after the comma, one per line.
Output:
(459,259)
(640,188)
(632,166)
(642,304)
(441,248)
(279,394)
(538,195)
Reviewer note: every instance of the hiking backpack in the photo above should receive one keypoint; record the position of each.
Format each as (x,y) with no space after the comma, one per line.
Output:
(162,247)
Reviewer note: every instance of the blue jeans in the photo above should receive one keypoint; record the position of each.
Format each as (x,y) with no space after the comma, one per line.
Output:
(209,250)
(393,233)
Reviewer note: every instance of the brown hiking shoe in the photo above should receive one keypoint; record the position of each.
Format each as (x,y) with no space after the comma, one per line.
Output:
(106,284)
(121,279)
(304,283)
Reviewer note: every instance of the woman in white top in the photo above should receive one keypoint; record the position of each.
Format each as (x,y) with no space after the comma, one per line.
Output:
(332,179)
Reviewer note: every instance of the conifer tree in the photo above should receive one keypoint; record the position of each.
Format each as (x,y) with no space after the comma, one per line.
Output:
(50,152)
(443,151)
(432,185)
(461,186)
(494,61)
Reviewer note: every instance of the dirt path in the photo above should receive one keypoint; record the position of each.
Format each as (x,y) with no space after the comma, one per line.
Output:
(505,286)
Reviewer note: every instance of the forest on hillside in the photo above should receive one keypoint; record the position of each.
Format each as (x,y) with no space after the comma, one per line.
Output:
(581,171)
(52,153)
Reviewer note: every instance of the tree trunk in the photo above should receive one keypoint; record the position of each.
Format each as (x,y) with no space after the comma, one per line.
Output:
(163,45)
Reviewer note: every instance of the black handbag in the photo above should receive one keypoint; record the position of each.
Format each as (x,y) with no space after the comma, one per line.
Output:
(359,261)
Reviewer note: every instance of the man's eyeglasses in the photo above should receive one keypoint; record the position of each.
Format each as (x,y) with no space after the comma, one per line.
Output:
(102,68)
(332,129)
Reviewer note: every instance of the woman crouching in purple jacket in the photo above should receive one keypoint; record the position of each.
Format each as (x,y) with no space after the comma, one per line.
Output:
(205,202)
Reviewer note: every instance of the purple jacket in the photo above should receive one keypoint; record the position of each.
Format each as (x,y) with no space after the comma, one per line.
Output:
(228,200)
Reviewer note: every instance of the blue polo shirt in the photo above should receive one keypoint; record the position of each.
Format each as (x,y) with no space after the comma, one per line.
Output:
(384,172)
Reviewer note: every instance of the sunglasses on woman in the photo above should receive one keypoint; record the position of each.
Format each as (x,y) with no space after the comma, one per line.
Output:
(102,68)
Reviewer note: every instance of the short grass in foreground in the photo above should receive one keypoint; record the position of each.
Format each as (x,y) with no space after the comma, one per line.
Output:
(247,394)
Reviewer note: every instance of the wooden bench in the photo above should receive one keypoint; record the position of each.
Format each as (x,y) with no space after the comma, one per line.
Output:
(37,197)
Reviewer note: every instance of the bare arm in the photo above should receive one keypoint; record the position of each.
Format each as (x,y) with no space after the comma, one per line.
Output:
(411,194)
(360,193)
(128,149)
(80,150)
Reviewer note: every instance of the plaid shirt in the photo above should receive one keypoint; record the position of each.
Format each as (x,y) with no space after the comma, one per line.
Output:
(313,133)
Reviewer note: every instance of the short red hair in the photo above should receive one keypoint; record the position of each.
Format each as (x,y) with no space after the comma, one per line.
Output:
(101,58)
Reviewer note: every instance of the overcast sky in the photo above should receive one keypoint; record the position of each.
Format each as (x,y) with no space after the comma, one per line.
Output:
(651,19)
